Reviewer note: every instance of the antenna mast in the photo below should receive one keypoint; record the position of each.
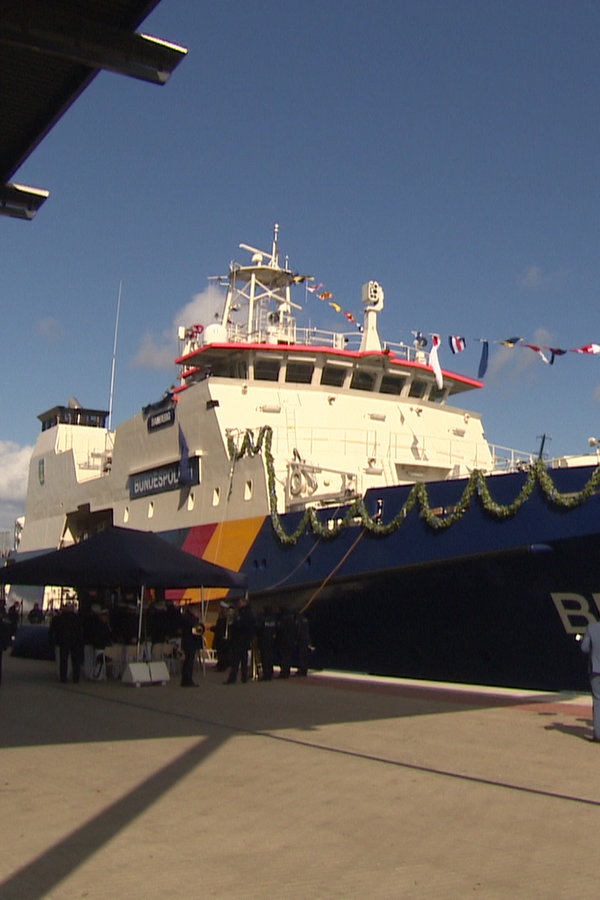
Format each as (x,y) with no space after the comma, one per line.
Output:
(114,360)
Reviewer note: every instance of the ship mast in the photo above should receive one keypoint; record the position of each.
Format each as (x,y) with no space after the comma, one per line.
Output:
(114,360)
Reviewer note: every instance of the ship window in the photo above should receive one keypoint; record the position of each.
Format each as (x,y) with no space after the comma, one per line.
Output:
(333,375)
(151,509)
(126,514)
(437,395)
(418,388)
(248,490)
(191,500)
(223,368)
(266,369)
(299,372)
(363,380)
(392,384)
(216,496)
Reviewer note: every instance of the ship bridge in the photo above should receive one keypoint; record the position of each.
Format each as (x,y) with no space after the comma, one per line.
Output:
(73,415)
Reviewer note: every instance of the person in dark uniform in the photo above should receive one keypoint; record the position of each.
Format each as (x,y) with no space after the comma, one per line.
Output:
(67,634)
(173,620)
(267,629)
(220,639)
(286,638)
(192,640)
(101,639)
(36,615)
(302,643)
(13,616)
(242,631)
(5,637)
(158,622)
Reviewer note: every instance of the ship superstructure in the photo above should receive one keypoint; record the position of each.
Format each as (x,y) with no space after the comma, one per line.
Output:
(347,413)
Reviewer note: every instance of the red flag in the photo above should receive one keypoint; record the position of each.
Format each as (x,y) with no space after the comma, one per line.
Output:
(539,351)
(589,348)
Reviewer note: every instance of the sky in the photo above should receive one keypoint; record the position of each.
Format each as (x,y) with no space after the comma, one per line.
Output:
(449,149)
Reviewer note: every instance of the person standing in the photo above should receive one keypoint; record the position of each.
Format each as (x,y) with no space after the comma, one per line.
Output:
(303,643)
(221,639)
(67,634)
(267,629)
(192,640)
(591,645)
(286,640)
(242,634)
(5,637)
(36,615)
(14,614)
(101,639)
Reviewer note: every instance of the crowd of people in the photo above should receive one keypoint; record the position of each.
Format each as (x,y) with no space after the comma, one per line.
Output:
(244,645)
(281,637)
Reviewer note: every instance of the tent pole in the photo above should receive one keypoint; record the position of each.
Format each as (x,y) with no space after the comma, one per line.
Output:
(139,636)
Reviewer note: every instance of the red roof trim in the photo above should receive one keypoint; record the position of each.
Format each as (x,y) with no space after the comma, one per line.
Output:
(330,351)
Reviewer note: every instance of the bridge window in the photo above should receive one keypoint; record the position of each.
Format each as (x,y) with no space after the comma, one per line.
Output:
(363,380)
(418,389)
(392,384)
(299,372)
(266,369)
(437,395)
(333,376)
(223,368)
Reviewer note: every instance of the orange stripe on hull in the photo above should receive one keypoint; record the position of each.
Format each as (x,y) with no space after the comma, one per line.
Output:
(224,543)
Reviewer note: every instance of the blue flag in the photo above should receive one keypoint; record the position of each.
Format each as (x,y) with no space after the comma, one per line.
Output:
(185,476)
(483,362)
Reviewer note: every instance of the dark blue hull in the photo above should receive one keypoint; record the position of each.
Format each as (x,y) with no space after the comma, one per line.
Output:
(488,600)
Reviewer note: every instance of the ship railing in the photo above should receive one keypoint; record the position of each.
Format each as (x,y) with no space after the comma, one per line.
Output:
(506,459)
(288,332)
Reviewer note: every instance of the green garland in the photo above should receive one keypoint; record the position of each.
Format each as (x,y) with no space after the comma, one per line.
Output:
(476,487)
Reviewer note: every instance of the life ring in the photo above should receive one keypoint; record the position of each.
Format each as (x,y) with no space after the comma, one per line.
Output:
(194,331)
(296,483)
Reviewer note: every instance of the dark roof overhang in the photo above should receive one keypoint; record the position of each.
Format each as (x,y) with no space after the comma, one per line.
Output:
(50,50)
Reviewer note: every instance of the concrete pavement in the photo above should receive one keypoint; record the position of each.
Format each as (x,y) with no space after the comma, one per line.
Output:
(323,787)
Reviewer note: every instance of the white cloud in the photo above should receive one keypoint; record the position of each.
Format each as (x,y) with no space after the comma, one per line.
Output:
(159,351)
(14,467)
(535,278)
(49,329)
(155,353)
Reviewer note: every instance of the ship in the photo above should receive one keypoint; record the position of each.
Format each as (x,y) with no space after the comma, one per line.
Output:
(346,478)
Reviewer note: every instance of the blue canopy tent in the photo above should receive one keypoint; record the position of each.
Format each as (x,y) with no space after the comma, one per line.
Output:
(121,557)
(125,558)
